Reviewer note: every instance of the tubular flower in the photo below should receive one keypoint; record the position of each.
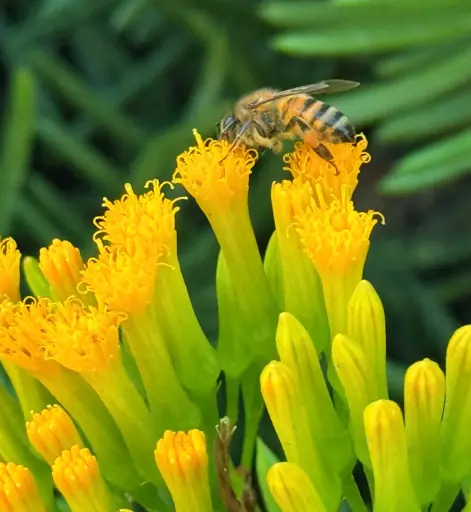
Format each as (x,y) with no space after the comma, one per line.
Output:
(143,251)
(301,285)
(114,271)
(424,397)
(298,353)
(218,179)
(290,418)
(183,462)
(292,489)
(456,442)
(51,431)
(336,238)
(18,491)
(86,340)
(24,331)
(61,264)
(306,165)
(215,185)
(9,269)
(357,377)
(144,222)
(77,476)
(367,325)
(384,427)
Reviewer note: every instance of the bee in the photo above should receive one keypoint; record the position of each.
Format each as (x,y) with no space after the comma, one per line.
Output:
(267,117)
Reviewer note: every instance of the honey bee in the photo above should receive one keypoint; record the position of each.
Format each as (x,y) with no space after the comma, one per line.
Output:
(267,117)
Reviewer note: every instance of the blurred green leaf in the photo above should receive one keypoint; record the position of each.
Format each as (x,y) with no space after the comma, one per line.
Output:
(370,103)
(265,460)
(18,138)
(435,164)
(353,40)
(84,158)
(41,229)
(72,87)
(431,120)
(310,14)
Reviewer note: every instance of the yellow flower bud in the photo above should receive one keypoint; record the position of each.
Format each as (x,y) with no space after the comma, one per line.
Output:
(183,462)
(292,489)
(18,491)
(51,432)
(424,396)
(77,476)
(384,428)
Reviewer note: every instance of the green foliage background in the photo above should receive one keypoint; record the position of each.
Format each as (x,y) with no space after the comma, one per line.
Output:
(96,93)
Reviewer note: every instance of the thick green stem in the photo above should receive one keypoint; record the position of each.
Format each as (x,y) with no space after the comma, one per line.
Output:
(353,496)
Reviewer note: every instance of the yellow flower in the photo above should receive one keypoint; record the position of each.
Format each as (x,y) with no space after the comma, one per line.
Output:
(456,445)
(298,353)
(86,340)
(144,222)
(305,164)
(24,333)
(61,264)
(221,191)
(292,489)
(137,244)
(51,431)
(384,427)
(367,325)
(9,269)
(424,398)
(116,270)
(302,293)
(337,238)
(18,491)
(215,185)
(289,416)
(183,462)
(77,476)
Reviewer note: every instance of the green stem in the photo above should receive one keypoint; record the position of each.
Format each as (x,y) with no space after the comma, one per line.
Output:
(253,408)
(232,398)
(353,496)
(131,415)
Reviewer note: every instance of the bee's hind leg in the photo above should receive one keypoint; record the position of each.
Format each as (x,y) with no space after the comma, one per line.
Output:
(326,155)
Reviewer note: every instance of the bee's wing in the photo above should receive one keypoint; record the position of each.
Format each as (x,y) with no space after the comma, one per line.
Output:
(324,87)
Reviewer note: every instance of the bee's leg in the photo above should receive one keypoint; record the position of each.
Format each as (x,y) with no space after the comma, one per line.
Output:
(326,155)
(238,138)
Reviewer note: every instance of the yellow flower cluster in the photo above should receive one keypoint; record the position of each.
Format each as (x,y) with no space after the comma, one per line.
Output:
(116,342)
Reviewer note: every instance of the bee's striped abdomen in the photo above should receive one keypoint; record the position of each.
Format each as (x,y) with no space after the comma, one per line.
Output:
(329,122)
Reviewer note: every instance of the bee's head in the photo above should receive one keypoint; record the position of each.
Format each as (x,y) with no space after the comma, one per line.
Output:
(228,128)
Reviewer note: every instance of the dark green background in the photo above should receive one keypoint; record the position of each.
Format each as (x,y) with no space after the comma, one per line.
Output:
(99,92)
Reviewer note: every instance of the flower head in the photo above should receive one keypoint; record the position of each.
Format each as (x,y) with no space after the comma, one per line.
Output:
(77,476)
(61,264)
(215,184)
(22,331)
(82,339)
(142,223)
(18,491)
(336,238)
(51,431)
(9,269)
(183,462)
(305,164)
(123,281)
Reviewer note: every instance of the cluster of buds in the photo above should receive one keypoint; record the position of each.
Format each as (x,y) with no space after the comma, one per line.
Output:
(115,345)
